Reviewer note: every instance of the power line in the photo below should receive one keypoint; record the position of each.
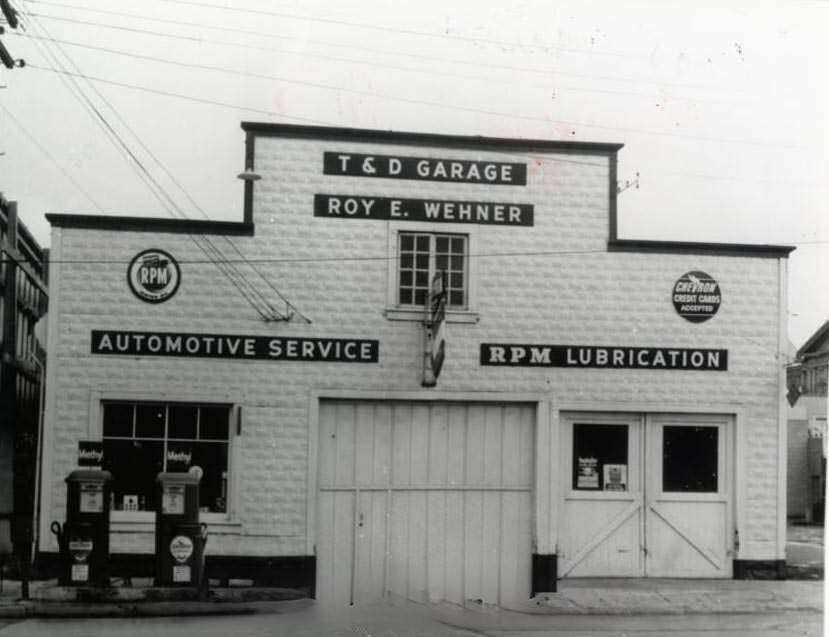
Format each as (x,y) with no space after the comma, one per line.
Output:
(443,60)
(405,31)
(178,184)
(190,98)
(364,259)
(205,244)
(420,102)
(51,158)
(430,72)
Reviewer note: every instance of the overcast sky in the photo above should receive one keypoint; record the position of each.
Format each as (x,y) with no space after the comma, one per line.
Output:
(723,107)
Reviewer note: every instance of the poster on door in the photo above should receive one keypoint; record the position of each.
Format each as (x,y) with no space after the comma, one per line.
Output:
(615,477)
(588,475)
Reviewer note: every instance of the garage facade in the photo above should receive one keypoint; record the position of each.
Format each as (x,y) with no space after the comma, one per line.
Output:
(425,366)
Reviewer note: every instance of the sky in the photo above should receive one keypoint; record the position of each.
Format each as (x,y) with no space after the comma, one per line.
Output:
(722,107)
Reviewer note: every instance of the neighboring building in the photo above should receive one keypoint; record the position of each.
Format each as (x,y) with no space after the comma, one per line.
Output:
(23,302)
(806,380)
(599,411)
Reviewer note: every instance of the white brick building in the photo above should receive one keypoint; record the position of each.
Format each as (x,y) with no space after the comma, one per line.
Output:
(580,425)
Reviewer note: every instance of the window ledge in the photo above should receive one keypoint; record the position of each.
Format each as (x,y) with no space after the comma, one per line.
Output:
(418,314)
(144,522)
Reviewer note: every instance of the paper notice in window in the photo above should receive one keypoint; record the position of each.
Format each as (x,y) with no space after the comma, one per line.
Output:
(615,477)
(588,476)
(172,500)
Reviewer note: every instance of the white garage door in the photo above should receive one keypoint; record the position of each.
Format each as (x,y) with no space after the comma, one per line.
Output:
(424,501)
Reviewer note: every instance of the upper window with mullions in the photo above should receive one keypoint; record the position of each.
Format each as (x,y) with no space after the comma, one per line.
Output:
(422,256)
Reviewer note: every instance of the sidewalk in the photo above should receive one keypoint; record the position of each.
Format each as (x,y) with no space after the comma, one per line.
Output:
(575,597)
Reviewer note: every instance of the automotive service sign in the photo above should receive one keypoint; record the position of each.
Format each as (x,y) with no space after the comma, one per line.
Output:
(153,276)
(696,296)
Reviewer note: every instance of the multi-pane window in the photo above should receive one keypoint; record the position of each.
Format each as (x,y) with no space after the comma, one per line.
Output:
(137,436)
(422,256)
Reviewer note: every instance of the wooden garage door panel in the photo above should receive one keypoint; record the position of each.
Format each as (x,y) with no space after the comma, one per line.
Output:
(441,500)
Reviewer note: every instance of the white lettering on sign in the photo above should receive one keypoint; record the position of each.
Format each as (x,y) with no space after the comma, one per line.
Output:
(91,454)
(603,357)
(350,206)
(222,346)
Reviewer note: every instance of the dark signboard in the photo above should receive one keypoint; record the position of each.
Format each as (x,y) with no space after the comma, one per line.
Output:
(696,296)
(611,357)
(329,350)
(431,210)
(179,456)
(425,168)
(90,453)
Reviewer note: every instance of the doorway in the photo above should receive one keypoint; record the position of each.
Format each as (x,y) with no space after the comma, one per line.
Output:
(646,495)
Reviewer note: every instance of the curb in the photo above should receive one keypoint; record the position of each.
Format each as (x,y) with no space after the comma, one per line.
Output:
(55,610)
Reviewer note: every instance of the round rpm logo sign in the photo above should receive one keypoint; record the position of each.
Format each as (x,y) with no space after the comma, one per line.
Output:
(696,296)
(181,548)
(153,276)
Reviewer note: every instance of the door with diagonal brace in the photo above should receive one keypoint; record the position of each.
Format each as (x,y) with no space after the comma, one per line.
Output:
(646,496)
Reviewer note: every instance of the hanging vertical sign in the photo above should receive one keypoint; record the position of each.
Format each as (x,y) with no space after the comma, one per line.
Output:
(435,330)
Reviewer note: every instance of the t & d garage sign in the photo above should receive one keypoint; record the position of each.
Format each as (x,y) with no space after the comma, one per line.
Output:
(696,296)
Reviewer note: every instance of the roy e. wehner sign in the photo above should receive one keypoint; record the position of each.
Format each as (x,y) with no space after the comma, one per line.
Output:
(328,350)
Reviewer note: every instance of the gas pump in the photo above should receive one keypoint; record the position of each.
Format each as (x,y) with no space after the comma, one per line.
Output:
(84,537)
(179,537)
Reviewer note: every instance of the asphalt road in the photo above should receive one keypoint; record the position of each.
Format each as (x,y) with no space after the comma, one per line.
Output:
(422,622)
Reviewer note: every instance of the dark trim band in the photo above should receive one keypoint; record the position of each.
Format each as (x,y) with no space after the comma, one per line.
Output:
(425,139)
(149,224)
(544,574)
(691,247)
(760,569)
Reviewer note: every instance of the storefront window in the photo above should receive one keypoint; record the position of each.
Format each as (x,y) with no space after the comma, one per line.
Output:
(600,457)
(136,437)
(689,459)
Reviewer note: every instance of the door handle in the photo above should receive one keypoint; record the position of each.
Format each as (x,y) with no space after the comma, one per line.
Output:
(360,520)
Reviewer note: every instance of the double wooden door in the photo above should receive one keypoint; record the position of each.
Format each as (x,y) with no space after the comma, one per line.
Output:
(646,496)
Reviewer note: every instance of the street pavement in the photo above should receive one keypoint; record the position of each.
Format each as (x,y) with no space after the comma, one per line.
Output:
(732,608)
(407,620)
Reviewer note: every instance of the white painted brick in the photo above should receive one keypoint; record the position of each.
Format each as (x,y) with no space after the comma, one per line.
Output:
(588,296)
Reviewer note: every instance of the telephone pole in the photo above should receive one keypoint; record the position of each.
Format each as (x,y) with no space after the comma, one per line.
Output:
(10,14)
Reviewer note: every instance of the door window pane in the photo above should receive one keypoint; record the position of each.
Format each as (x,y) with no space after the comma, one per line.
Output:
(689,459)
(600,457)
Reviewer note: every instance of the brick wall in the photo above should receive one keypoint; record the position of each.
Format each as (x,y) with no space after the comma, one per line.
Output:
(584,295)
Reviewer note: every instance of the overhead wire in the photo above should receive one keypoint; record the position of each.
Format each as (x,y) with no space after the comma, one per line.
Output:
(51,158)
(215,250)
(442,105)
(431,70)
(408,31)
(237,279)
(386,258)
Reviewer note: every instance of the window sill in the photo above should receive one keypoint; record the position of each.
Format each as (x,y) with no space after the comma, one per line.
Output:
(418,314)
(144,522)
